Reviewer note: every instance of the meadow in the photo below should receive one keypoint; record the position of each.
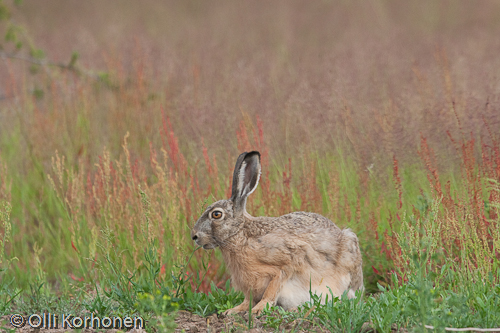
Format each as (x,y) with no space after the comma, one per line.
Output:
(119,125)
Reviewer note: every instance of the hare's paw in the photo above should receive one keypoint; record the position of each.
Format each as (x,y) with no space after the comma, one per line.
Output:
(239,308)
(257,309)
(231,311)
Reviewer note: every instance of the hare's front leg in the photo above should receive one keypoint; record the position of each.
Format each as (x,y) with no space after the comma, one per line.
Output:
(239,308)
(270,294)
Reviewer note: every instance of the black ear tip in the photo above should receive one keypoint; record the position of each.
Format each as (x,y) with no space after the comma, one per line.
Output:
(252,153)
(245,155)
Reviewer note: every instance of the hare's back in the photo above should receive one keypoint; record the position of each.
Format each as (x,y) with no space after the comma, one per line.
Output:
(306,222)
(304,236)
(327,240)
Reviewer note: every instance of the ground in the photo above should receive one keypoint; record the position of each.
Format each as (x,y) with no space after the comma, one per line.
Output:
(192,323)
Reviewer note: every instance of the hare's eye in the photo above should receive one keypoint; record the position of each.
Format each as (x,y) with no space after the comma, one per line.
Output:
(216,214)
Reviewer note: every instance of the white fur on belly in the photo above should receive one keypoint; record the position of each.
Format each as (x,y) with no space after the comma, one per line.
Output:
(292,294)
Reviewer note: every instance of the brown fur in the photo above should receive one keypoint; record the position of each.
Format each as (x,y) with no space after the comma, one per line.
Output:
(278,259)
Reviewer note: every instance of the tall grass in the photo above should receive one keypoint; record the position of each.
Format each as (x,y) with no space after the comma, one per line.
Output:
(456,221)
(101,214)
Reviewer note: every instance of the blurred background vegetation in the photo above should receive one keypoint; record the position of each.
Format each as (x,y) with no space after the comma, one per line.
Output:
(377,114)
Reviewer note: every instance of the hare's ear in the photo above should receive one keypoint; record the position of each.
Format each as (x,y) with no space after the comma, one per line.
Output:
(245,179)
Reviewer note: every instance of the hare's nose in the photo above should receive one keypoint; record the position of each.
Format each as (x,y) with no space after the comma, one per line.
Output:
(194,235)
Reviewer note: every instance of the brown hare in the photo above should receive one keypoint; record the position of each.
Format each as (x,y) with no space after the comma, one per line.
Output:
(278,260)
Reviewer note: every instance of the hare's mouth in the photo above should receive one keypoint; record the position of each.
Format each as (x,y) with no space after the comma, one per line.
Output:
(206,245)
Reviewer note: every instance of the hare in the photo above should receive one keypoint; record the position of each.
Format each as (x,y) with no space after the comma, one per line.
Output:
(278,260)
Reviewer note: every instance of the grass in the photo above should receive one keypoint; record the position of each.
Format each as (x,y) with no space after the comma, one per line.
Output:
(104,169)
(436,263)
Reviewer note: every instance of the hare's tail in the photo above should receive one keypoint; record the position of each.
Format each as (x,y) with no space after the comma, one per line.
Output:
(355,261)
(356,281)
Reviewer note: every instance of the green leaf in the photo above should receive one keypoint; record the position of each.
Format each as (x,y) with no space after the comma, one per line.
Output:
(38,93)
(4,12)
(10,34)
(37,53)
(34,69)
(74,57)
